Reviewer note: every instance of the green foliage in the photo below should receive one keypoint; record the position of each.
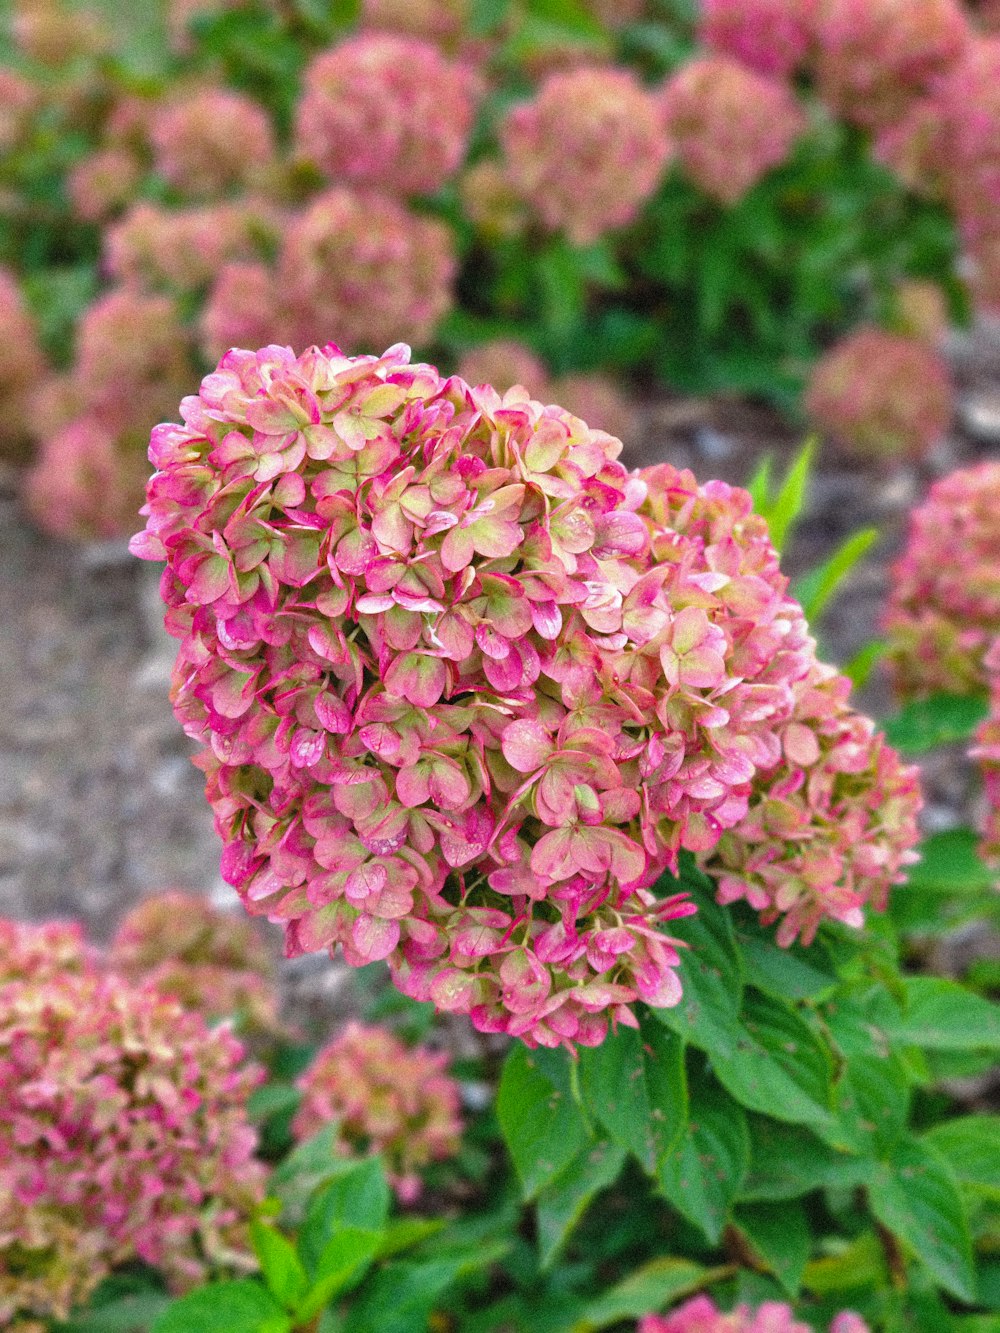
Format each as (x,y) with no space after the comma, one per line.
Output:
(927,723)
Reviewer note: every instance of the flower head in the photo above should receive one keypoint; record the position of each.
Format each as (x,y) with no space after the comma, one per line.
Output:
(772,37)
(385,1098)
(586,152)
(882,395)
(442,21)
(182,249)
(208,141)
(19,100)
(388,112)
(598,400)
(55,34)
(242,310)
(104,182)
(213,962)
(42,952)
(728,125)
(124,1136)
(944,609)
(22,367)
(503,363)
(701,1315)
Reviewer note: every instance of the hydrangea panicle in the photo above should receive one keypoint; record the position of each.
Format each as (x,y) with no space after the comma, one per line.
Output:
(207,141)
(772,37)
(701,1315)
(385,1098)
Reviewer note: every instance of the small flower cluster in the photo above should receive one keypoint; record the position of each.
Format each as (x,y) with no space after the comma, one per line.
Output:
(386,1098)
(55,34)
(987,751)
(43,952)
(22,367)
(387,112)
(19,100)
(874,58)
(772,37)
(944,609)
(124,1136)
(184,248)
(586,152)
(728,125)
(242,310)
(465,686)
(830,830)
(103,183)
(882,395)
(701,1315)
(209,141)
(504,362)
(211,961)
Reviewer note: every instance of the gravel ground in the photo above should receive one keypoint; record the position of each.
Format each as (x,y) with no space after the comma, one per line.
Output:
(98,802)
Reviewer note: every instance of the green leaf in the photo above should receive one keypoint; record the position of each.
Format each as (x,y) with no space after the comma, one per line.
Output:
(344,1261)
(704,1172)
(711,975)
(779,1235)
(649,1288)
(134,1313)
(539,1119)
(272,1100)
(815,589)
(401,1297)
(782,509)
(280,1264)
(859,668)
(404,1232)
(915,1196)
(859,1264)
(359,1198)
(950,863)
(304,1170)
(927,723)
(564,1200)
(794,973)
(788,1161)
(941,1015)
(970,1145)
(873,1104)
(240,1306)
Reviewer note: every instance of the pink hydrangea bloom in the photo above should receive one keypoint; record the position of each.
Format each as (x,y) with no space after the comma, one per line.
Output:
(831,828)
(364,267)
(211,961)
(55,34)
(915,146)
(987,751)
(769,36)
(881,394)
(943,611)
(874,57)
(967,103)
(242,310)
(101,184)
(599,400)
(504,362)
(701,1315)
(208,141)
(587,151)
(184,248)
(124,1136)
(19,100)
(490,200)
(385,1098)
(386,111)
(465,686)
(22,367)
(729,126)
(44,951)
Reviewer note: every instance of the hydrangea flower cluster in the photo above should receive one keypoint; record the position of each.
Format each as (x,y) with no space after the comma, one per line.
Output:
(504,362)
(465,686)
(384,1097)
(586,152)
(830,830)
(987,751)
(875,57)
(184,248)
(701,1315)
(19,99)
(943,612)
(42,952)
(881,394)
(104,182)
(207,141)
(242,310)
(772,37)
(124,1136)
(729,125)
(215,963)
(598,400)
(388,112)
(55,34)
(22,366)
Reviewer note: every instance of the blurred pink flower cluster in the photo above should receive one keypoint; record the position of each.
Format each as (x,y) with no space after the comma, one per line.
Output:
(386,1098)
(881,394)
(19,99)
(211,961)
(586,152)
(104,182)
(729,125)
(700,1315)
(55,34)
(183,249)
(772,37)
(44,952)
(987,751)
(22,367)
(386,111)
(210,140)
(465,685)
(124,1136)
(943,611)
(442,21)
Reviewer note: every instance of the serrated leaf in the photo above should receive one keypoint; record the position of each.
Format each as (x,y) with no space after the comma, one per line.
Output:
(280,1264)
(308,1166)
(970,1145)
(873,1103)
(357,1199)
(859,1264)
(788,1161)
(405,1232)
(649,1288)
(711,974)
(562,1202)
(927,723)
(703,1173)
(779,1235)
(794,973)
(915,1196)
(401,1297)
(240,1306)
(345,1259)
(815,589)
(540,1122)
(941,1015)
